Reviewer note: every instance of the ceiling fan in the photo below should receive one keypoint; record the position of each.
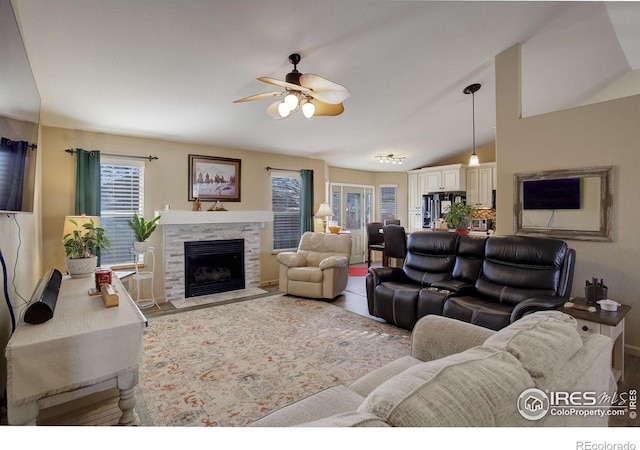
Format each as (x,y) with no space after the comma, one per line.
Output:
(313,94)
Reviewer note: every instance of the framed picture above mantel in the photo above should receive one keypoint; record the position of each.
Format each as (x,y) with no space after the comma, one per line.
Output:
(213,178)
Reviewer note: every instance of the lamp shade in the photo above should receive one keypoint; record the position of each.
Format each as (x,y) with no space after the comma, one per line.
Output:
(324,210)
(69,227)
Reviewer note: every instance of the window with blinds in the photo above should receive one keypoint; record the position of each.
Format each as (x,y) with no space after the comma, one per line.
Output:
(388,202)
(122,191)
(285,203)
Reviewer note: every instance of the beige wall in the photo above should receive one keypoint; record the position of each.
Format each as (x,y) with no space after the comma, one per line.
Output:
(486,153)
(165,183)
(599,134)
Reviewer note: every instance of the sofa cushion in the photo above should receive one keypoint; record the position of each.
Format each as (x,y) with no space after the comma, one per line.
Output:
(478,387)
(364,385)
(350,419)
(331,401)
(306,274)
(543,342)
(477,311)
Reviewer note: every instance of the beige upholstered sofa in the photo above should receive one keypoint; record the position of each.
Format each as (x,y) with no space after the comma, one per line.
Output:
(320,267)
(459,374)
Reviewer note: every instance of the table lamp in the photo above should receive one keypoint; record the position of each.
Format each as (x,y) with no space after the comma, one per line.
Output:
(69,227)
(324,211)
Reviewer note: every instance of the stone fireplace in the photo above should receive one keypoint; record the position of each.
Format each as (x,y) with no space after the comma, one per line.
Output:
(180,227)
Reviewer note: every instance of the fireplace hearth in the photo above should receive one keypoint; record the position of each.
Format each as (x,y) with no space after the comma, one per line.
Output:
(213,266)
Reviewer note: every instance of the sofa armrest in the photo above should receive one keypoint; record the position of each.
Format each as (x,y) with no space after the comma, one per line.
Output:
(333,261)
(291,259)
(386,273)
(533,304)
(435,337)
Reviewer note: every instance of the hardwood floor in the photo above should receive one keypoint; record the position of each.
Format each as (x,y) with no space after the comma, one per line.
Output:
(102,409)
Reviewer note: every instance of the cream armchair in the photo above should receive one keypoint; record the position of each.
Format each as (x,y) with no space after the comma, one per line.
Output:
(320,267)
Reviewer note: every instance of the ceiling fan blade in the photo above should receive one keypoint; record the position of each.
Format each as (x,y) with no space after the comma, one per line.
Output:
(324,90)
(283,84)
(259,97)
(272,110)
(325,109)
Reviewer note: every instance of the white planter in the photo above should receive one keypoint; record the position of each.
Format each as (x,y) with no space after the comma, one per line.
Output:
(141,247)
(81,267)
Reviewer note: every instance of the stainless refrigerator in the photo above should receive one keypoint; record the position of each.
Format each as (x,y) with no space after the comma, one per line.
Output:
(435,205)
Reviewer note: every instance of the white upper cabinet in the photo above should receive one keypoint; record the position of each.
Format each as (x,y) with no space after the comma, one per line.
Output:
(480,184)
(446,178)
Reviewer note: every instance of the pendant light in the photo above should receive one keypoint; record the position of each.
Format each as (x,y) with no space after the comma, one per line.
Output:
(472,89)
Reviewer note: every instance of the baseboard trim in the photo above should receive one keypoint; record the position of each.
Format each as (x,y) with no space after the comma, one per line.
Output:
(632,350)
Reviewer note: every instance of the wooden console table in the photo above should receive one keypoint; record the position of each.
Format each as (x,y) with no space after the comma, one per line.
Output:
(607,323)
(85,348)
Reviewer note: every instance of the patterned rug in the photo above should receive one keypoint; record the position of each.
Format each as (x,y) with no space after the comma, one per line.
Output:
(231,364)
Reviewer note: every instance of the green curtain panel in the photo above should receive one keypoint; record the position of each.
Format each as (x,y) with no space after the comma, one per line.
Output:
(306,201)
(87,182)
(12,162)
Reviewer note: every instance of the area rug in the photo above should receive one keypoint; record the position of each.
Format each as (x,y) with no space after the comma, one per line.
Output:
(217,298)
(358,271)
(228,365)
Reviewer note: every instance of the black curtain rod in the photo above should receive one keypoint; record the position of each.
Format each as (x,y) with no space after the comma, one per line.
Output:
(150,158)
(31,146)
(283,170)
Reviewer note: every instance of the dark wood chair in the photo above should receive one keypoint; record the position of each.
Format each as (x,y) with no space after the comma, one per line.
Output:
(395,241)
(375,241)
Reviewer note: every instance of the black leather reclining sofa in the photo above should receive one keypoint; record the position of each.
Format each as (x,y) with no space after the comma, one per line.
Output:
(487,281)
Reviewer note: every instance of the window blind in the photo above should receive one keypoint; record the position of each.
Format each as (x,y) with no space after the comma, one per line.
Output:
(285,203)
(122,190)
(388,202)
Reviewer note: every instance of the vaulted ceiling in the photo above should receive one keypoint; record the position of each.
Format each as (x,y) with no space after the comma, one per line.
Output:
(171,69)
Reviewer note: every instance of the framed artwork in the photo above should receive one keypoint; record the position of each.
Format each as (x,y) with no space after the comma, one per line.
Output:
(212,179)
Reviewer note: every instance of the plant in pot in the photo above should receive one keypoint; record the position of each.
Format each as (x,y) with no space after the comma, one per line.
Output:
(142,230)
(458,215)
(81,247)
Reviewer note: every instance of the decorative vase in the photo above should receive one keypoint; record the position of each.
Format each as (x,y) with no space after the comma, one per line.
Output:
(81,267)
(141,247)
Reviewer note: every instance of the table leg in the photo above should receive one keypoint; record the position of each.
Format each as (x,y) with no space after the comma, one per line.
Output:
(127,382)
(24,414)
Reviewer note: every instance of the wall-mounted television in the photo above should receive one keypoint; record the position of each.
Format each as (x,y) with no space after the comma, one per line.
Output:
(19,118)
(561,193)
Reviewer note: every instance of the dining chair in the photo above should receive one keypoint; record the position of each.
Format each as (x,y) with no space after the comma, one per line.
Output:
(395,241)
(375,241)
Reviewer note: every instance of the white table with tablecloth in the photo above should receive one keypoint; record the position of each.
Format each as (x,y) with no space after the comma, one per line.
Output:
(84,348)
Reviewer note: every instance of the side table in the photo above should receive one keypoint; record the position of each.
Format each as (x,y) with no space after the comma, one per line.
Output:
(607,323)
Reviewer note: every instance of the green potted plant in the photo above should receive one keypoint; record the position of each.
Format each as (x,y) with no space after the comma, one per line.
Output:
(143,230)
(81,247)
(458,215)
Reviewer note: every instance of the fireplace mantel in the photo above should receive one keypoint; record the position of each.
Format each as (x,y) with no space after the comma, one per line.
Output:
(184,217)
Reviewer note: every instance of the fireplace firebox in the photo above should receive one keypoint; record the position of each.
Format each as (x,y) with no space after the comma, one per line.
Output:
(214,266)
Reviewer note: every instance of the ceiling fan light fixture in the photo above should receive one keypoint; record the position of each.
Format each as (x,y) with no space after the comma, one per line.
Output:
(283,110)
(291,100)
(308,109)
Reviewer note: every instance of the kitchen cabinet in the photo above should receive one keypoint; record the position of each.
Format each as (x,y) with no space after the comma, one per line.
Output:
(416,188)
(446,178)
(480,185)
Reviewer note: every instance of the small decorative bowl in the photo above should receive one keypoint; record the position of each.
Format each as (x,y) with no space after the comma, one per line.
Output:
(608,305)
(334,230)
